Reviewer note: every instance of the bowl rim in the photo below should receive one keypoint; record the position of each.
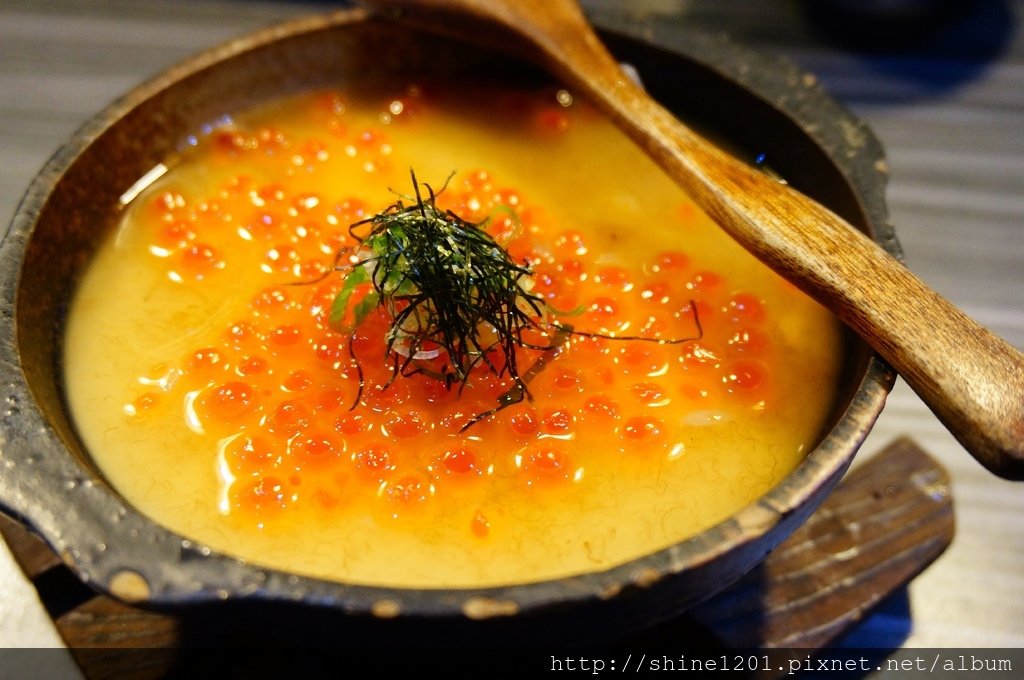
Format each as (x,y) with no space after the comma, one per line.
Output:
(36,472)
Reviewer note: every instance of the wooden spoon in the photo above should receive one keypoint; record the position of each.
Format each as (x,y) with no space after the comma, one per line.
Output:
(970,378)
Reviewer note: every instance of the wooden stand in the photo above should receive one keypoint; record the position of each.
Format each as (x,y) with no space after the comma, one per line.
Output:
(888,520)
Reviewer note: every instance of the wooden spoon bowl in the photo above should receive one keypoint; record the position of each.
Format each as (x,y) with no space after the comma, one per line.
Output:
(970,378)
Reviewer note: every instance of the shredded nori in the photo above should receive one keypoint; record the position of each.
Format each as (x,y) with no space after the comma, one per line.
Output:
(449,288)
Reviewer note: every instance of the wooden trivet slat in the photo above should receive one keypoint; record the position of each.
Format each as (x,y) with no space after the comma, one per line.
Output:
(888,520)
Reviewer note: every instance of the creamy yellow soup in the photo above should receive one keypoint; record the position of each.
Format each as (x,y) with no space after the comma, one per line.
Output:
(214,392)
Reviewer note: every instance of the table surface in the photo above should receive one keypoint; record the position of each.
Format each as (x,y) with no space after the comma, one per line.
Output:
(947,102)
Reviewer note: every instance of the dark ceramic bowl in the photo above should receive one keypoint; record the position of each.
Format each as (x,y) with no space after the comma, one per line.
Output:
(48,481)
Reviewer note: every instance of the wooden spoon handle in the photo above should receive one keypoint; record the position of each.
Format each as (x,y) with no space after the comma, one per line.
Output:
(970,378)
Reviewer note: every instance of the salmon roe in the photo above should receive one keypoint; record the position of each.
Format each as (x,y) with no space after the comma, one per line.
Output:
(316,419)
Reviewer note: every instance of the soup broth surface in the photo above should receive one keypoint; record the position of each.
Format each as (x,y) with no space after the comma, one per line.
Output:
(213,391)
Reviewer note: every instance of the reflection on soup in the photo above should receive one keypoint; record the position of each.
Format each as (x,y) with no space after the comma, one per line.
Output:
(216,394)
